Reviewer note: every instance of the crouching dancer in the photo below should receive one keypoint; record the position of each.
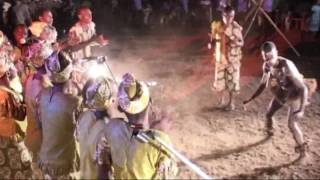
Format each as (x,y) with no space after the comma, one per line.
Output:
(288,88)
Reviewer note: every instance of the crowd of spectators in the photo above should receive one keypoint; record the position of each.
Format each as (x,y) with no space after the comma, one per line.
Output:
(114,14)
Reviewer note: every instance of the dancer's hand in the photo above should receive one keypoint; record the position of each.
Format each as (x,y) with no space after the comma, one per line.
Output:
(102,40)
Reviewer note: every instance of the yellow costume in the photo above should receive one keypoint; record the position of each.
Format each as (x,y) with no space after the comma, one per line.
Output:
(133,159)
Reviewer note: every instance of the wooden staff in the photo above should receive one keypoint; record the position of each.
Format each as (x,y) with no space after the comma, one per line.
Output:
(251,23)
(275,26)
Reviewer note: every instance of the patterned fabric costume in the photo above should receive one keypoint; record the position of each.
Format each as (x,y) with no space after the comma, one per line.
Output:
(15,161)
(227,55)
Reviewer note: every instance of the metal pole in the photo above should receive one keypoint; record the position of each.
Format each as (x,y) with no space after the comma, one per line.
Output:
(146,138)
(186,161)
(278,30)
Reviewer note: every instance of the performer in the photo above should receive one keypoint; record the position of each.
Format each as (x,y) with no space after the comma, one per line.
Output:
(226,36)
(20,34)
(35,54)
(41,46)
(45,16)
(288,88)
(98,98)
(121,150)
(15,161)
(83,35)
(57,111)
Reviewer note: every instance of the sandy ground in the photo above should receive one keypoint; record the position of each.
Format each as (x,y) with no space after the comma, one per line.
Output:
(224,144)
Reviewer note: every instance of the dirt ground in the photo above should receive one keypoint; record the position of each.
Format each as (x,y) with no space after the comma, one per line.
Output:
(224,144)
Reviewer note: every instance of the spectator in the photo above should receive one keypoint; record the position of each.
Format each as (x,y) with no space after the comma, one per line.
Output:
(20,34)
(15,159)
(83,35)
(315,19)
(21,13)
(46,16)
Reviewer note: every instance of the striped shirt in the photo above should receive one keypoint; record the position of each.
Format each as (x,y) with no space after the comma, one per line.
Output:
(79,34)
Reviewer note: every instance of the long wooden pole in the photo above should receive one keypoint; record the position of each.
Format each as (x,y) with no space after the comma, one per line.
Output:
(275,26)
(251,23)
(252,10)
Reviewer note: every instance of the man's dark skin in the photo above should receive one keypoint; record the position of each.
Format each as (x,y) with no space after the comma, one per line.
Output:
(288,88)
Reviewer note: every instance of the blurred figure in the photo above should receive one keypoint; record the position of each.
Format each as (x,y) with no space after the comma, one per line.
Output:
(120,153)
(315,19)
(14,157)
(41,46)
(242,9)
(20,13)
(57,109)
(98,98)
(34,55)
(82,37)
(21,39)
(45,16)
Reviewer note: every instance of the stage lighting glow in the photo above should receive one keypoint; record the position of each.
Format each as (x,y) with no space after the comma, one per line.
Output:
(97,70)
(151,83)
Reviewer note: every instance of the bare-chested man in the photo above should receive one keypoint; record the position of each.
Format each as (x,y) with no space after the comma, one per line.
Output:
(288,87)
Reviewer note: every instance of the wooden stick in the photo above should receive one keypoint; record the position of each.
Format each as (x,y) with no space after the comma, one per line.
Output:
(278,30)
(251,23)
(252,10)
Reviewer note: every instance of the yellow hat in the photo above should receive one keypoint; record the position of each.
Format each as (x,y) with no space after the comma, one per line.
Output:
(138,103)
(37,27)
(98,93)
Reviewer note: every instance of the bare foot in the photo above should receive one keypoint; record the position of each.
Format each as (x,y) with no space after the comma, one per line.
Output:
(303,155)
(230,107)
